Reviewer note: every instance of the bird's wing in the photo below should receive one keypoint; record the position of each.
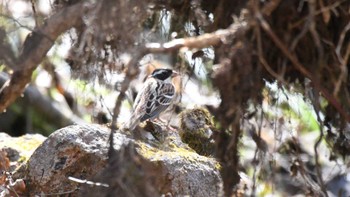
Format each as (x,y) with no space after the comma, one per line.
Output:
(158,100)
(140,103)
(141,94)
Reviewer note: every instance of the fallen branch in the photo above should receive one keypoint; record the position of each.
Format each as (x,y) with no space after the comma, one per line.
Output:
(35,47)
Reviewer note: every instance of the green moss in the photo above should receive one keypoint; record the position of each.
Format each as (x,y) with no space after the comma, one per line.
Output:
(198,142)
(195,132)
(155,154)
(24,146)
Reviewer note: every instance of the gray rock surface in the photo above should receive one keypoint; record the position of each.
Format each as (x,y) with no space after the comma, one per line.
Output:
(80,151)
(19,149)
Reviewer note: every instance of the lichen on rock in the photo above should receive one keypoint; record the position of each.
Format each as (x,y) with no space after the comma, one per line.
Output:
(196,130)
(81,151)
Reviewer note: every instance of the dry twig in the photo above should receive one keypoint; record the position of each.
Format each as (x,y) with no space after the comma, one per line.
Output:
(62,116)
(37,44)
(34,13)
(331,99)
(199,42)
(87,182)
(342,59)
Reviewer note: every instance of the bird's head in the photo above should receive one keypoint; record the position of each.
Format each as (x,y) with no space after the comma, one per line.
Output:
(163,74)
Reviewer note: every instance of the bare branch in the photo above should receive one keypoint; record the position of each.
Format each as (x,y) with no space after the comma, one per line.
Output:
(34,13)
(35,47)
(16,21)
(61,116)
(131,73)
(263,61)
(199,42)
(330,98)
(270,7)
(343,60)
(320,11)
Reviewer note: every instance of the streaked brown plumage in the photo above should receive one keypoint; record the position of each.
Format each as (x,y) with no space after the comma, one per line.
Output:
(155,96)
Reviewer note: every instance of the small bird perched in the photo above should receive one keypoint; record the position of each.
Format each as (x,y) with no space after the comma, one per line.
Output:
(155,96)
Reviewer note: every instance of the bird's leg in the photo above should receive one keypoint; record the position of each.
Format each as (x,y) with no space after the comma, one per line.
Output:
(169,127)
(164,123)
(158,119)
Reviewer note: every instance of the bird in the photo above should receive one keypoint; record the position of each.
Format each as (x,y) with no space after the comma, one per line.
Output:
(155,96)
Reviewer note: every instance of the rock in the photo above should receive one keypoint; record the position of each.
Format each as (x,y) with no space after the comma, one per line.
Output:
(128,174)
(79,151)
(19,149)
(14,154)
(138,167)
(196,130)
(187,173)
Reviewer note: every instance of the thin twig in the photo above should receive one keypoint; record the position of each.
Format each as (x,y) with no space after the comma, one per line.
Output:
(35,48)
(34,13)
(343,61)
(131,73)
(16,21)
(318,12)
(315,36)
(300,35)
(262,59)
(331,99)
(270,7)
(318,142)
(61,193)
(199,42)
(87,182)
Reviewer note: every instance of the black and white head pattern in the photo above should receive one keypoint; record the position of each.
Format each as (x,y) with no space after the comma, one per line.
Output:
(162,74)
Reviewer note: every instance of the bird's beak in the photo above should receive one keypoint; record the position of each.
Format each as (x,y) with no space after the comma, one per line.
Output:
(175,74)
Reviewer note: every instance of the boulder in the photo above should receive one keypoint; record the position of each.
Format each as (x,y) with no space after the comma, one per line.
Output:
(19,149)
(14,154)
(137,167)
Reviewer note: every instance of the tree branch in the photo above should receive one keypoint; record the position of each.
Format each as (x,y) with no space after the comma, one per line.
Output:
(296,63)
(35,47)
(59,116)
(199,42)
